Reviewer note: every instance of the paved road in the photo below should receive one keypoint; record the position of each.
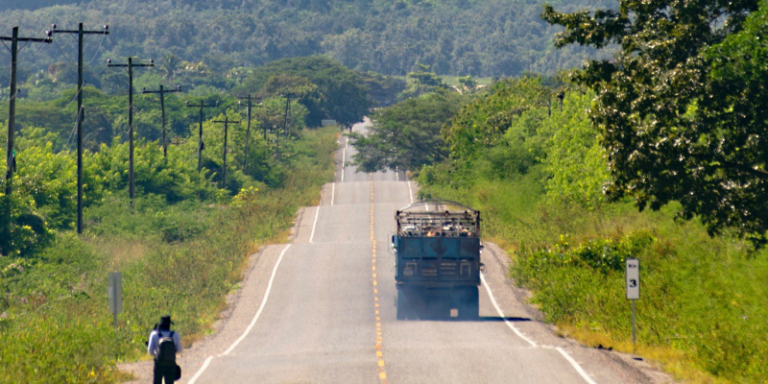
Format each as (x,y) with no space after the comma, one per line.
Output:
(330,311)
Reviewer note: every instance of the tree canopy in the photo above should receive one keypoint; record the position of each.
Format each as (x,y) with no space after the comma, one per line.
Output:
(681,107)
(406,136)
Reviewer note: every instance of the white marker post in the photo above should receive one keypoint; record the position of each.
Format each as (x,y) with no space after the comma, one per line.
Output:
(115,299)
(115,294)
(633,292)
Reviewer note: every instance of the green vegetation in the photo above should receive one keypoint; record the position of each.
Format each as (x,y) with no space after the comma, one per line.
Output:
(678,108)
(452,37)
(537,173)
(406,136)
(183,243)
(325,87)
(180,249)
(322,88)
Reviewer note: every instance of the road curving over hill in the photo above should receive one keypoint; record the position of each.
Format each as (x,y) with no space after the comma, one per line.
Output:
(322,310)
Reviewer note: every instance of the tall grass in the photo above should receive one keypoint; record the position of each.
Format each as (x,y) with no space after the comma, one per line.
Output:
(175,259)
(702,315)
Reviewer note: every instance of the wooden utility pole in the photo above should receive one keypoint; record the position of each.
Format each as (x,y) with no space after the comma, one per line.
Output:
(249,98)
(80,111)
(287,112)
(200,145)
(162,91)
(11,155)
(130,67)
(226,123)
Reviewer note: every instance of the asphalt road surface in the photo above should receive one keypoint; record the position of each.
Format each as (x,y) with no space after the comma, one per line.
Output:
(322,310)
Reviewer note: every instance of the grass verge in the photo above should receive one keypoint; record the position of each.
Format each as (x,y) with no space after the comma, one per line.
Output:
(180,259)
(702,315)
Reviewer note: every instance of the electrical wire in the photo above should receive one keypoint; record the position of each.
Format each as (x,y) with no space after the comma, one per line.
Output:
(90,62)
(23,46)
(64,54)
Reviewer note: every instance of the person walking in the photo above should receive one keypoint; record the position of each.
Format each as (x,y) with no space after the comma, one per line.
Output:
(164,344)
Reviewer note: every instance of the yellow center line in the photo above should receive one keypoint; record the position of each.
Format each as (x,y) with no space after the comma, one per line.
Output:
(374,276)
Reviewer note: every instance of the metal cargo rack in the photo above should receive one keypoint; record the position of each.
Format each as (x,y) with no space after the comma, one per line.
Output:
(438,218)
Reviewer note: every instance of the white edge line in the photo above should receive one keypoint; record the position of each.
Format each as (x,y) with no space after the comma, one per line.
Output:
(333,193)
(576,366)
(253,321)
(314,225)
(410,193)
(201,370)
(498,309)
(565,354)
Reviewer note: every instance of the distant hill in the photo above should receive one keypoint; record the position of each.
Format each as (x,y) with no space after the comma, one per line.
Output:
(453,37)
(34,4)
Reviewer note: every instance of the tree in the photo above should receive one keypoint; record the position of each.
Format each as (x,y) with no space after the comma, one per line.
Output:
(406,136)
(170,65)
(674,127)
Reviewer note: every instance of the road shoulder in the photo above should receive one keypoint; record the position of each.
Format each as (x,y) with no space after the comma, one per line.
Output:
(242,305)
(599,364)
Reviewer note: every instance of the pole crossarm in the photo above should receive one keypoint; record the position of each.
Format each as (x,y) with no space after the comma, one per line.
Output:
(227,121)
(46,40)
(162,90)
(103,31)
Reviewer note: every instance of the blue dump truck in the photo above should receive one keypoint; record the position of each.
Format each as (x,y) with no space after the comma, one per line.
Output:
(437,260)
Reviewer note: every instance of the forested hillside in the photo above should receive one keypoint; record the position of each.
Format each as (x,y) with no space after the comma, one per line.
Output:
(459,37)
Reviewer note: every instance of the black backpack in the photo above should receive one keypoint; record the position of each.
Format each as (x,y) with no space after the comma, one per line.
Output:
(166,350)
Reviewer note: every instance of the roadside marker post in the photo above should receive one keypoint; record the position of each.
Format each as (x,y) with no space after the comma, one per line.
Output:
(115,298)
(632,278)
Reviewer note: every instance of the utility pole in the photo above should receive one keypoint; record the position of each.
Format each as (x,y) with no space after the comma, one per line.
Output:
(277,142)
(130,67)
(200,145)
(80,111)
(287,112)
(11,155)
(226,122)
(248,130)
(162,91)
